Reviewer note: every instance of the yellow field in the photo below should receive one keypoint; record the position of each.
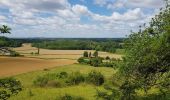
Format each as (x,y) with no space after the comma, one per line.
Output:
(26,50)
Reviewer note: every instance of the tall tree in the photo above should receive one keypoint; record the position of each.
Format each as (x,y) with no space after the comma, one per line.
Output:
(147,60)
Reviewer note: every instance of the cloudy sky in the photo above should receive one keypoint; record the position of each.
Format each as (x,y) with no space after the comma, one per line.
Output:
(76,18)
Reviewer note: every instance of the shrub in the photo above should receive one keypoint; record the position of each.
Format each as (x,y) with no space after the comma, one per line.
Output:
(107,58)
(84,60)
(8,87)
(96,61)
(75,78)
(41,81)
(95,78)
(14,54)
(108,64)
(69,97)
(81,60)
(62,75)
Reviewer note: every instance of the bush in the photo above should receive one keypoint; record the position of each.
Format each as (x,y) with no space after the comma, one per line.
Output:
(84,60)
(62,75)
(95,78)
(75,78)
(41,81)
(14,54)
(108,64)
(69,97)
(96,62)
(9,87)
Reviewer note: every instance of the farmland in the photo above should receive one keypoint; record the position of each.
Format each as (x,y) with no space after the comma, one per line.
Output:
(45,60)
(27,49)
(60,59)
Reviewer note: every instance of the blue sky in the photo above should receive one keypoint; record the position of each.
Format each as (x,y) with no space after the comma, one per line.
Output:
(76,18)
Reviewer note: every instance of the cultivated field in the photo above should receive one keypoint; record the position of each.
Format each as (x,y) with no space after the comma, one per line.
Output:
(26,50)
(16,65)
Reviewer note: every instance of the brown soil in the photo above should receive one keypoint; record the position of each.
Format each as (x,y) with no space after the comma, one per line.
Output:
(16,65)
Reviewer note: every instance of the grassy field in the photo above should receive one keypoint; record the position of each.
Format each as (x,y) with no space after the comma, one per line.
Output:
(84,90)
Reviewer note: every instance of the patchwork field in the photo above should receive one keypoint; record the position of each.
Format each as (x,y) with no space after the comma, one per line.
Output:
(47,59)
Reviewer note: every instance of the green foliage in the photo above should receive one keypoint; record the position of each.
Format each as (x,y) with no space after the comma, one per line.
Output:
(69,97)
(6,42)
(95,78)
(79,44)
(14,54)
(107,58)
(85,54)
(41,81)
(75,78)
(9,87)
(147,59)
(96,62)
(83,60)
(95,54)
(5,29)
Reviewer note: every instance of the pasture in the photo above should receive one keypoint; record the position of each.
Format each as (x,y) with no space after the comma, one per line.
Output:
(84,90)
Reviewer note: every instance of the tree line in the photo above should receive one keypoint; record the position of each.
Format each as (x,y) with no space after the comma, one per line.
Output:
(107,45)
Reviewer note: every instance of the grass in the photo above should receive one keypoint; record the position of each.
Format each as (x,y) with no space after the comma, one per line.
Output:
(120,51)
(84,90)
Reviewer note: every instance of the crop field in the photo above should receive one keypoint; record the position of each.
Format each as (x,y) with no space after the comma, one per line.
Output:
(46,59)
(28,51)
(11,66)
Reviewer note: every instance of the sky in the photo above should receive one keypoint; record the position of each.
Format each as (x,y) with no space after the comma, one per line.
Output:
(76,18)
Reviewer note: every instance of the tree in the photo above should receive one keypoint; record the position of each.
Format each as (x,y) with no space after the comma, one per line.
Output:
(5,29)
(95,54)
(85,54)
(90,54)
(147,59)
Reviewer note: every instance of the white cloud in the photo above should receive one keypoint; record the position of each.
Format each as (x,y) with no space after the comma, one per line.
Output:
(100,2)
(2,17)
(135,3)
(80,10)
(146,3)
(60,18)
(130,15)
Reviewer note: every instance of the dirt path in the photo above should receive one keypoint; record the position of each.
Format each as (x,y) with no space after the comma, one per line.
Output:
(16,65)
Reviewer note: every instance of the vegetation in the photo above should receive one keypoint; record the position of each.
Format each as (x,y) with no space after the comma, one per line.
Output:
(63,79)
(5,29)
(146,65)
(80,44)
(86,90)
(6,42)
(9,87)
(97,61)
